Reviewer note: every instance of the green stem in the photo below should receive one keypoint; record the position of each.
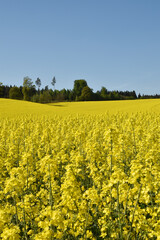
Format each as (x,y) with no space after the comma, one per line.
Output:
(111,158)
(50,188)
(118,207)
(135,207)
(24,219)
(16,210)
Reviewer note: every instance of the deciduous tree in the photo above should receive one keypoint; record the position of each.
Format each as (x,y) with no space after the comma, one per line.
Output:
(78,86)
(87,94)
(38,83)
(28,88)
(15,93)
(53,82)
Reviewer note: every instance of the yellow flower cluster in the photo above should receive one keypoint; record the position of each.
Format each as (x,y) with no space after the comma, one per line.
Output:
(80,177)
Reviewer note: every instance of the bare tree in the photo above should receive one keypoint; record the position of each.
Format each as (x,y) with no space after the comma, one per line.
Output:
(53,82)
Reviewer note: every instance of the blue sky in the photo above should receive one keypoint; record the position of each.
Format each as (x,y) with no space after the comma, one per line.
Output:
(111,43)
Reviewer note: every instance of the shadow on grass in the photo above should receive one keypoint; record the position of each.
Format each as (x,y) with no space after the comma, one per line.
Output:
(56,105)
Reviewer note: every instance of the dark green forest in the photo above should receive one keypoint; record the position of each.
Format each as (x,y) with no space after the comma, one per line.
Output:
(31,91)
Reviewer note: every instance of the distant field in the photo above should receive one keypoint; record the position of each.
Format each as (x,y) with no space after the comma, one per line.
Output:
(16,108)
(80,170)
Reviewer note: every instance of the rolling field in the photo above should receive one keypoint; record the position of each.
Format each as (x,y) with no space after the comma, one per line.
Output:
(80,170)
(13,108)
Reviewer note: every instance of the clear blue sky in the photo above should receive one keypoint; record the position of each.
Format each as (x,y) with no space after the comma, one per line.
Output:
(111,43)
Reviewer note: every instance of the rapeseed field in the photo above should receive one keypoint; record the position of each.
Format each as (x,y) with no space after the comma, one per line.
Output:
(14,108)
(85,170)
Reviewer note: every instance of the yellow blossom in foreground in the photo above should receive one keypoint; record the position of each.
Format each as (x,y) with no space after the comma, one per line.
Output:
(80,175)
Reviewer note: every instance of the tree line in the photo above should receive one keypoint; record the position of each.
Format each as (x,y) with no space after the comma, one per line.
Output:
(80,92)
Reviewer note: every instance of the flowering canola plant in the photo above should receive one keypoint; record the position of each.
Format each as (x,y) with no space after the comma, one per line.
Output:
(80,176)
